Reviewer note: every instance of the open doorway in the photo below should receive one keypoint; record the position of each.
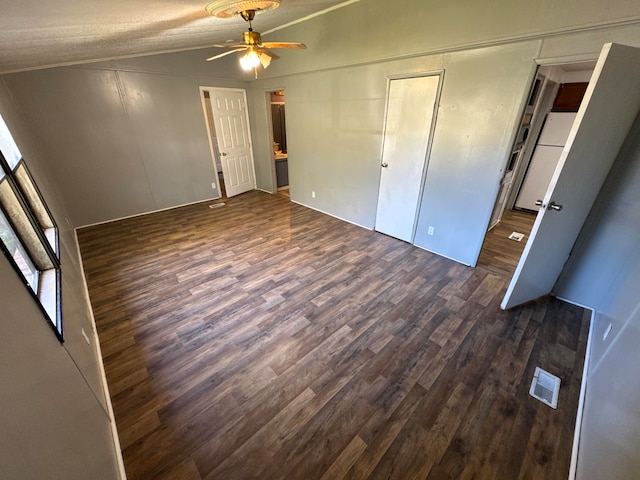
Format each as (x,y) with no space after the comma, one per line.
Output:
(276,101)
(554,99)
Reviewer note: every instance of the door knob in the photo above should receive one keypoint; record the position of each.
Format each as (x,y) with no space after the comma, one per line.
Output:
(224,154)
(384,164)
(539,203)
(555,206)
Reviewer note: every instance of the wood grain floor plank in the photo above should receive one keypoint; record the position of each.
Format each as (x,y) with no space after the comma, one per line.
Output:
(264,340)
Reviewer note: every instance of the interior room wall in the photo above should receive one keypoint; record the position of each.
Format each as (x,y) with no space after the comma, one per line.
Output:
(604,272)
(53,409)
(369,31)
(124,137)
(335,124)
(336,97)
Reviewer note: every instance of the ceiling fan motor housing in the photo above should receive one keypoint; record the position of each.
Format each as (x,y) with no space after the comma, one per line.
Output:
(251,38)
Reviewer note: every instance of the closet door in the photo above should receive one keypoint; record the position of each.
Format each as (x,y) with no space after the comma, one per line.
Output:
(411,104)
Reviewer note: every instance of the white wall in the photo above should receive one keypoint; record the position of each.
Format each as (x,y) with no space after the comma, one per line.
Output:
(53,409)
(53,424)
(122,138)
(373,30)
(336,94)
(335,120)
(604,273)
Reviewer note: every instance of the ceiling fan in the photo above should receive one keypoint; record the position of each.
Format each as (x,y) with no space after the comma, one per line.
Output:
(256,52)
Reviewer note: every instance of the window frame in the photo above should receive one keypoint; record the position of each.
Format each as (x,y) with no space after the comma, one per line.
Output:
(52,249)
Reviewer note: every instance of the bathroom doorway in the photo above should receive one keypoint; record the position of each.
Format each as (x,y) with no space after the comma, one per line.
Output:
(279,141)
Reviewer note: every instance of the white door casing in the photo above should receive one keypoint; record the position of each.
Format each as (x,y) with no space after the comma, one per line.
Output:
(410,113)
(608,110)
(229,107)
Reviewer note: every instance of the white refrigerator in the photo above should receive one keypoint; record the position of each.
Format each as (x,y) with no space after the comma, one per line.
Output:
(544,159)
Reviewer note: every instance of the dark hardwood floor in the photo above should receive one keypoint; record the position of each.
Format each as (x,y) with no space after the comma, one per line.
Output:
(499,254)
(265,340)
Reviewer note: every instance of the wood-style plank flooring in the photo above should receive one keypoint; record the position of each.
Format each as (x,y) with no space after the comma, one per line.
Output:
(499,254)
(265,340)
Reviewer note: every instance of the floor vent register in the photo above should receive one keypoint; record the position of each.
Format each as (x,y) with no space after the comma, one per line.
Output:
(545,387)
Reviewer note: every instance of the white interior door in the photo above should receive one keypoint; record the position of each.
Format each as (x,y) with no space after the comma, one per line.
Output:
(606,114)
(229,107)
(501,203)
(410,113)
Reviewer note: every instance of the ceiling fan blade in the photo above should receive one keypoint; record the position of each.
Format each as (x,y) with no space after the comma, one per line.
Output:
(265,58)
(229,45)
(283,45)
(270,53)
(215,57)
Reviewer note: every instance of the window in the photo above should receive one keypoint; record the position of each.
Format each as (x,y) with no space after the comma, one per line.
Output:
(27,230)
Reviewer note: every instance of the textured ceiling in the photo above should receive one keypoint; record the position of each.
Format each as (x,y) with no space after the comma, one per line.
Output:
(38,34)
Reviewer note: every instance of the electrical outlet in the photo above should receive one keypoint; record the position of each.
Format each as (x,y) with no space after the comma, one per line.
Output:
(213,185)
(313,194)
(86,337)
(431,230)
(607,332)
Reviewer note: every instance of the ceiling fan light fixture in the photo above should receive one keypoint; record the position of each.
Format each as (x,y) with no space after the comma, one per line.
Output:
(232,8)
(250,60)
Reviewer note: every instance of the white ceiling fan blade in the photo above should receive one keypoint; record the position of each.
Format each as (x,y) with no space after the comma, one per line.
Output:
(297,45)
(270,53)
(229,45)
(265,59)
(215,57)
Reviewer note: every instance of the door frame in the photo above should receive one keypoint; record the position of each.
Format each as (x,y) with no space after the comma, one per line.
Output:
(519,170)
(548,91)
(529,281)
(267,96)
(523,150)
(425,168)
(211,128)
(527,153)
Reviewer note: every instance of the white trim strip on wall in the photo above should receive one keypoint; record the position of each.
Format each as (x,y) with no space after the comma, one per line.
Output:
(103,375)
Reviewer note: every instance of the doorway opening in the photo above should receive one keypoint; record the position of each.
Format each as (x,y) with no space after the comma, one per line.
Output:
(554,99)
(279,141)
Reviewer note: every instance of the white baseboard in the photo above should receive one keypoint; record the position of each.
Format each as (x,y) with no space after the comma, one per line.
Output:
(103,376)
(332,215)
(573,469)
(148,213)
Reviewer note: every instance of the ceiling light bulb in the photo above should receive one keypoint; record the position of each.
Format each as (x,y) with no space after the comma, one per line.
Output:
(250,60)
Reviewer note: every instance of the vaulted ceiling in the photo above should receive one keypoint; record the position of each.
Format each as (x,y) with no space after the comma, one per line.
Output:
(36,34)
